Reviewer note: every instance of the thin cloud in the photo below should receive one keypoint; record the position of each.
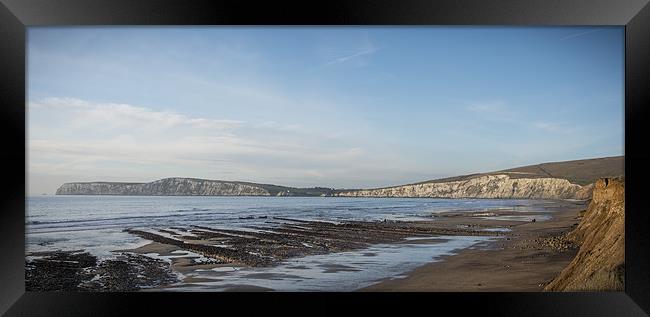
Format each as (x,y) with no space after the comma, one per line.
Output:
(497,107)
(554,127)
(124,114)
(282,127)
(84,140)
(579,34)
(346,58)
(497,111)
(547,126)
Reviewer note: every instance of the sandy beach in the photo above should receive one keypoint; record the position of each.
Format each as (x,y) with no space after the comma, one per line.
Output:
(525,259)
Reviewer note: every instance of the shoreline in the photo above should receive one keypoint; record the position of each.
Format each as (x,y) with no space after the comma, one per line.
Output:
(299,196)
(525,259)
(188,250)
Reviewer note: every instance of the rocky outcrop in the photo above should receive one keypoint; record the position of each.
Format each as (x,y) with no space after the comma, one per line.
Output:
(600,262)
(486,186)
(165,187)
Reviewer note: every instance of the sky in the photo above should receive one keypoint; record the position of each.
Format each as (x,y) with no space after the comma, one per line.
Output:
(341,107)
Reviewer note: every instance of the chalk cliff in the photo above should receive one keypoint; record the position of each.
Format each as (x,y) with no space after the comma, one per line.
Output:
(177,186)
(165,187)
(556,180)
(487,186)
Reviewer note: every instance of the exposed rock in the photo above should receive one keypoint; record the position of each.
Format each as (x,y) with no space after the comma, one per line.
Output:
(177,186)
(268,245)
(600,262)
(58,271)
(555,180)
(165,187)
(559,243)
(81,271)
(487,186)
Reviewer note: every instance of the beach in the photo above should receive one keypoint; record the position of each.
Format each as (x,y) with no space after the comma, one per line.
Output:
(309,244)
(530,256)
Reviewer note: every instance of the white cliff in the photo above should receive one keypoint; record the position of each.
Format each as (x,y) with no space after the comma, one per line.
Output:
(487,186)
(165,187)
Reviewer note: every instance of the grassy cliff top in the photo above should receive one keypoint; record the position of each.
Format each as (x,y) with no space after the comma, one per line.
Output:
(581,172)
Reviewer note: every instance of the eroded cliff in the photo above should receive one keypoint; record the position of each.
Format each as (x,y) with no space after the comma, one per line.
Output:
(487,186)
(600,262)
(165,187)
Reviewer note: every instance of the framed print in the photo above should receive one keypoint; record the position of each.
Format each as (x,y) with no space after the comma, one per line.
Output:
(364,152)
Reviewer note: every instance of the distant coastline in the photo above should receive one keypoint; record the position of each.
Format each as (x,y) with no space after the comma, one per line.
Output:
(557,180)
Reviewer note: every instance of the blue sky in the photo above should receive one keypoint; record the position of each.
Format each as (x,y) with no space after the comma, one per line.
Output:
(326,106)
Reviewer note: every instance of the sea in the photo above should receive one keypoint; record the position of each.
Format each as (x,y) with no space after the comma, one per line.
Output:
(96,224)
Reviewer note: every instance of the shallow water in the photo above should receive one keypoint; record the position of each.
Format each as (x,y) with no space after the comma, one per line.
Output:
(96,224)
(343,271)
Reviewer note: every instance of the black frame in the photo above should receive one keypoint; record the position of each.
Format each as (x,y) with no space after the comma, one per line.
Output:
(16,15)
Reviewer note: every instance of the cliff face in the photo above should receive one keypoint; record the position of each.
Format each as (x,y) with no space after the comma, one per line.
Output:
(600,262)
(165,187)
(557,180)
(487,186)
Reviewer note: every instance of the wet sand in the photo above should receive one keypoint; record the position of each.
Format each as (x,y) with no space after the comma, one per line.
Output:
(525,259)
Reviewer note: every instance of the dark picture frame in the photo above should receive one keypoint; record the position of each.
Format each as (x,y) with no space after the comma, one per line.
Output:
(17,15)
